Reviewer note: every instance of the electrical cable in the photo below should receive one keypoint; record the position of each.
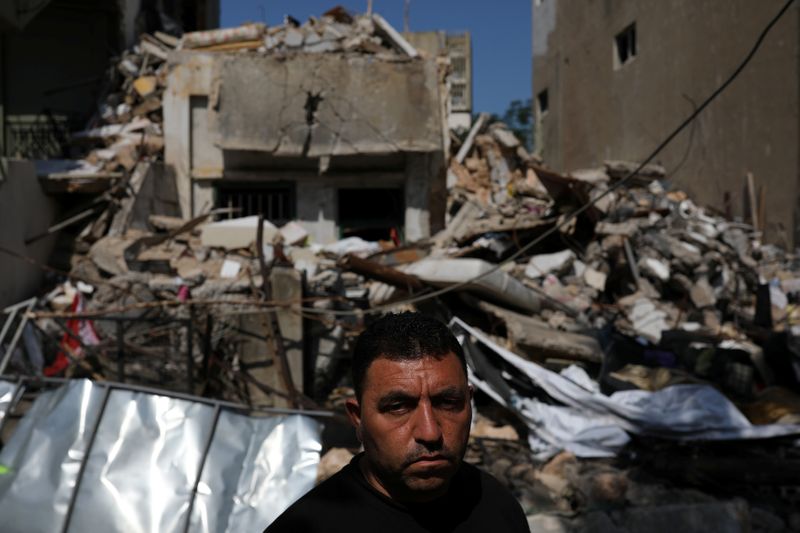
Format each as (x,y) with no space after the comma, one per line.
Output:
(574,214)
(566,220)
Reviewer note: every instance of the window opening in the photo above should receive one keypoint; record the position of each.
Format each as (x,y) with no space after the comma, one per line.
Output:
(542,102)
(371,214)
(625,46)
(274,200)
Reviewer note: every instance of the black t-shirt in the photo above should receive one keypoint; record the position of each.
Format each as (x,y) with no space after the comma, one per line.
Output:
(346,503)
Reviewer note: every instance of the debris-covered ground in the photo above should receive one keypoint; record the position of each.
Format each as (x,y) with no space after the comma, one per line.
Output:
(656,343)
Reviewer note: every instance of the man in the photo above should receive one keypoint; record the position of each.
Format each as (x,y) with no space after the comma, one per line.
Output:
(412,413)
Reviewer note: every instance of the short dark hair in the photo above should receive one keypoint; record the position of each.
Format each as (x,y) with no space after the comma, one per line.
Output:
(400,337)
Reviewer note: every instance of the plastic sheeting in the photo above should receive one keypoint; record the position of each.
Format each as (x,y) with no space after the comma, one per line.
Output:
(591,424)
(145,459)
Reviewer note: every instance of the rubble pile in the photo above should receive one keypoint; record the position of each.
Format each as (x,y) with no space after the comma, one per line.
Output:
(646,322)
(640,292)
(128,124)
(335,31)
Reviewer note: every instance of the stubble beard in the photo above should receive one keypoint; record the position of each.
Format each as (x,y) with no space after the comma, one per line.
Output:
(405,485)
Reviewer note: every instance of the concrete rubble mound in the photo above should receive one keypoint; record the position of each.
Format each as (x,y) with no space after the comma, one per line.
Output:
(639,358)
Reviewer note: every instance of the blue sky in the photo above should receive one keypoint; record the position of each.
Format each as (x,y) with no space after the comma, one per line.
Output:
(501,35)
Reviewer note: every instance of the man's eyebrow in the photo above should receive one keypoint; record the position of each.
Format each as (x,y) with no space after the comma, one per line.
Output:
(395,396)
(449,391)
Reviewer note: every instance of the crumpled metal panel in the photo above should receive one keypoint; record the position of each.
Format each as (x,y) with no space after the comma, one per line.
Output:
(143,464)
(44,455)
(7,389)
(145,460)
(275,461)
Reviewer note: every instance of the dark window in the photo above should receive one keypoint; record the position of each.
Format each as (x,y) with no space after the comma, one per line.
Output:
(542,102)
(625,45)
(274,200)
(371,213)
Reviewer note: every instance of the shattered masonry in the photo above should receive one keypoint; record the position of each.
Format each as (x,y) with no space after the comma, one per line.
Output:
(629,364)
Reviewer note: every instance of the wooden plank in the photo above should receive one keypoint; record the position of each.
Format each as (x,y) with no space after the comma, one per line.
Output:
(233,47)
(386,274)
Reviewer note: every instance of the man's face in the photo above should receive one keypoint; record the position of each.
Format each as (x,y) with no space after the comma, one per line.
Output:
(413,419)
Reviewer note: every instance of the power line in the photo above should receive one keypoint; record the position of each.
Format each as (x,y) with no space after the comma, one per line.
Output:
(574,214)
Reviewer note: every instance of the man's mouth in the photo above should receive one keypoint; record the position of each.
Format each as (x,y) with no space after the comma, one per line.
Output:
(432,461)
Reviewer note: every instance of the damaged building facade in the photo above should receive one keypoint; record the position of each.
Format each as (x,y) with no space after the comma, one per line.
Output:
(347,144)
(457,47)
(71,43)
(611,79)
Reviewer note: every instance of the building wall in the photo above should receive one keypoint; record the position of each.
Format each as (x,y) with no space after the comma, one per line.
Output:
(458,46)
(598,110)
(25,211)
(51,72)
(215,132)
(53,69)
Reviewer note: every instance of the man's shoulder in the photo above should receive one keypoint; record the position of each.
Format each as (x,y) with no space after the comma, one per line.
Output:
(474,474)
(495,500)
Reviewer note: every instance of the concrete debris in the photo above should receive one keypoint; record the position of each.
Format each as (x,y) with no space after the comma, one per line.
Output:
(478,277)
(595,279)
(236,233)
(643,292)
(702,293)
(541,265)
(654,267)
(206,39)
(648,321)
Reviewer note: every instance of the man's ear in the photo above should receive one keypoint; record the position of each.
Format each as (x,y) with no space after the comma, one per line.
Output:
(353,409)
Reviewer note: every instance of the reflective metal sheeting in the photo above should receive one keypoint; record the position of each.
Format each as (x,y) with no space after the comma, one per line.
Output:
(146,457)
(6,393)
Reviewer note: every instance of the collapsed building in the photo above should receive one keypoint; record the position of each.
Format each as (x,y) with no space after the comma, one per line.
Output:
(347,143)
(606,345)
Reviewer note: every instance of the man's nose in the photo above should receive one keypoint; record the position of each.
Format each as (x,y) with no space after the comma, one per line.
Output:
(426,426)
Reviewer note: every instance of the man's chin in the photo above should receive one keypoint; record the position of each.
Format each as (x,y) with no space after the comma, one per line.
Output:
(421,490)
(428,484)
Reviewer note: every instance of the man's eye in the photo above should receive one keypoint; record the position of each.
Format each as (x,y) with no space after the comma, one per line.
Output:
(396,408)
(450,403)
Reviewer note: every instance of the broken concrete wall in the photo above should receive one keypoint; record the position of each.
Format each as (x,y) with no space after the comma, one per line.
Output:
(425,195)
(326,105)
(25,211)
(222,122)
(187,145)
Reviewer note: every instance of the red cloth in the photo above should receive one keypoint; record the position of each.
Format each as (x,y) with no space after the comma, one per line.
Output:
(81,328)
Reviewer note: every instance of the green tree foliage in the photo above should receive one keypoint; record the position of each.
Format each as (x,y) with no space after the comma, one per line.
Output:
(519,118)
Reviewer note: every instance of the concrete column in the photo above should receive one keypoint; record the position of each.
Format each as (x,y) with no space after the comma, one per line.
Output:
(287,285)
(256,358)
(417,194)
